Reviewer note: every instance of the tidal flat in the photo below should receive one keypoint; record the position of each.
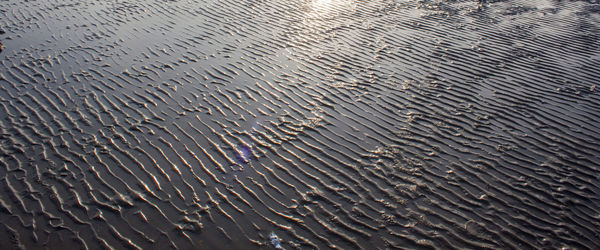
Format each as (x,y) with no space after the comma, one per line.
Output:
(299,124)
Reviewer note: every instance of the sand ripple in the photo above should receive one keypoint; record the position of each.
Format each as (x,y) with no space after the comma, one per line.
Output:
(299,124)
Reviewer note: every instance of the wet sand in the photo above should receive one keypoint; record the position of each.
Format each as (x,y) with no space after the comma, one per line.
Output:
(299,124)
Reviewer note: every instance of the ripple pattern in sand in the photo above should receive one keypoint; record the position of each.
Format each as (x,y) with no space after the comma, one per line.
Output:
(329,123)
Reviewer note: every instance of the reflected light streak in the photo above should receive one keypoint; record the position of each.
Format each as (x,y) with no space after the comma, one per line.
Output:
(324,7)
(322,3)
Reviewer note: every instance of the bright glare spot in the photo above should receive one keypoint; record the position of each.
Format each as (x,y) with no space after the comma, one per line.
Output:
(323,7)
(322,3)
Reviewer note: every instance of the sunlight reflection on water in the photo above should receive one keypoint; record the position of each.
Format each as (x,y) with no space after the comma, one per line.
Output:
(327,7)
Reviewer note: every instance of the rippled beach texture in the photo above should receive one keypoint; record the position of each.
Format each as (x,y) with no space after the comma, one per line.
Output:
(300,124)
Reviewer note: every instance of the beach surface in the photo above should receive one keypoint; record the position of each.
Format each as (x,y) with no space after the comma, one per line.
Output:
(300,124)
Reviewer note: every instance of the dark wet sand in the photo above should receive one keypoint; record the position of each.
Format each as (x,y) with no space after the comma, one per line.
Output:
(329,123)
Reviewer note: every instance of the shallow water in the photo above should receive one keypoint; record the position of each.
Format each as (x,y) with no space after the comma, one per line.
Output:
(308,124)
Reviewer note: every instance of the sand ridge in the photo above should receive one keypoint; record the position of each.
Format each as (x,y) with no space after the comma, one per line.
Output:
(299,124)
